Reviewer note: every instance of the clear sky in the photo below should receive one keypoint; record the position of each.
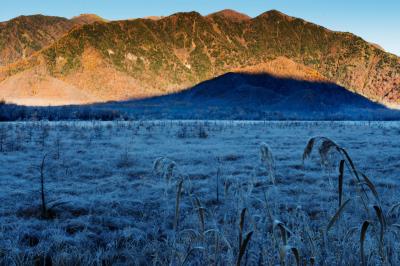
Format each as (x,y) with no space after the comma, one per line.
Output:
(377,21)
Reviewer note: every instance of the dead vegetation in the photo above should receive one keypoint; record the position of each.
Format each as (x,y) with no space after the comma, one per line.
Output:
(163,214)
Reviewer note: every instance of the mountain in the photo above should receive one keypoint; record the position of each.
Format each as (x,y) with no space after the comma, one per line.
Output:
(24,35)
(141,58)
(87,19)
(231,15)
(258,96)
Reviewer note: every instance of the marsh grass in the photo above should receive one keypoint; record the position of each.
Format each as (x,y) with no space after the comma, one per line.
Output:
(268,161)
(125,160)
(367,192)
(363,234)
(45,213)
(243,243)
(255,221)
(177,204)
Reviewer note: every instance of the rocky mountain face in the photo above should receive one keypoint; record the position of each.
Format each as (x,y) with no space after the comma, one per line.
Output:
(141,58)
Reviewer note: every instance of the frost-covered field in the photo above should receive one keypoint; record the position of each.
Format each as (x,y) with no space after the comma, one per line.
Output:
(211,200)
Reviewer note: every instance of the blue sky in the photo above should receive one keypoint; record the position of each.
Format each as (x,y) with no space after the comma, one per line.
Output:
(376,21)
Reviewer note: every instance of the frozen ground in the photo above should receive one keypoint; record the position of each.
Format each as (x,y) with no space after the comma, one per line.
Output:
(108,206)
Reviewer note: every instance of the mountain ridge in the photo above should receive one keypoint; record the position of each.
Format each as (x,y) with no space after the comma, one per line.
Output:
(176,52)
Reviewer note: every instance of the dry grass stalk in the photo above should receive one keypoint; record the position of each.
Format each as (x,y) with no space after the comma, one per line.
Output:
(283,250)
(242,243)
(340,182)
(158,165)
(312,261)
(241,225)
(216,256)
(393,209)
(190,252)
(164,167)
(325,148)
(43,199)
(362,180)
(284,247)
(217,184)
(382,222)
(337,215)
(354,172)
(296,255)
(363,234)
(397,226)
(201,212)
(268,161)
(309,148)
(371,187)
(243,247)
(177,204)
(284,231)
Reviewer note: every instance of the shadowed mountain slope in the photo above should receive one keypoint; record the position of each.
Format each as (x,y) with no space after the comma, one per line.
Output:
(258,96)
(230,96)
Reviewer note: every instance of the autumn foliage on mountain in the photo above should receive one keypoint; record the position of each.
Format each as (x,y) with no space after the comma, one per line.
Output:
(47,60)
